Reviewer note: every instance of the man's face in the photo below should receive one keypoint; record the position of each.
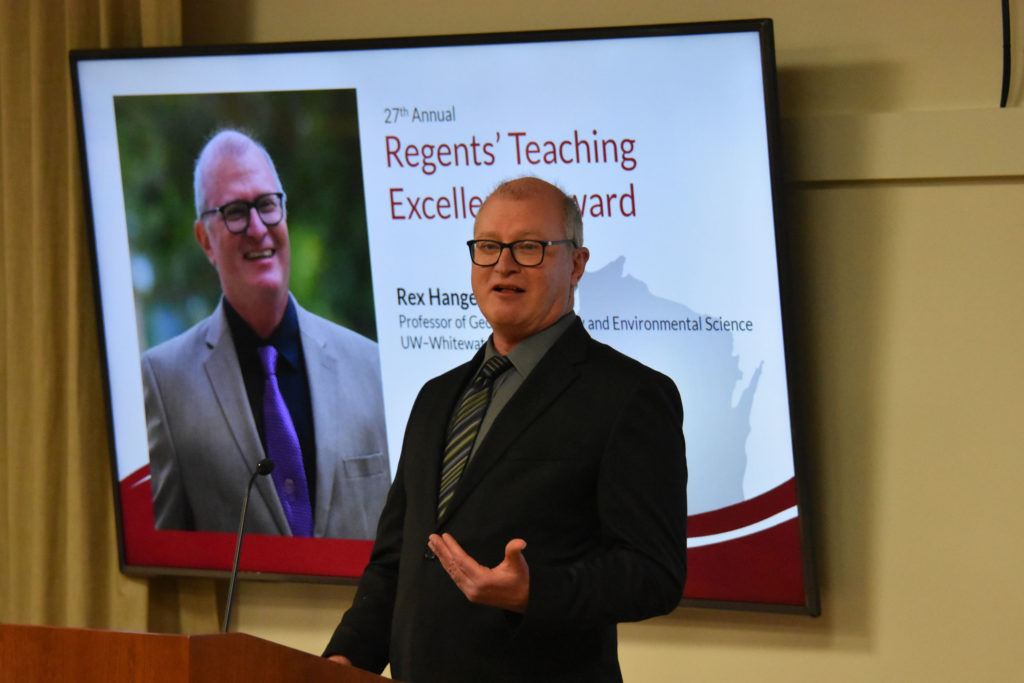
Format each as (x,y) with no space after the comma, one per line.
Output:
(520,301)
(254,265)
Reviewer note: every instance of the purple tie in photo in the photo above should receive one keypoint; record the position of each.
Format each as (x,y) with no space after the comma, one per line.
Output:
(283,448)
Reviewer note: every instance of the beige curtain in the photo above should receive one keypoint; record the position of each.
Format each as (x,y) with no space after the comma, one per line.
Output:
(58,545)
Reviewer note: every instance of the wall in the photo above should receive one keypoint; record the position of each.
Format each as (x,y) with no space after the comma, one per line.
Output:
(905,187)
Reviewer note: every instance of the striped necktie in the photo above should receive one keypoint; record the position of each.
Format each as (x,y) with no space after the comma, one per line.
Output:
(464,426)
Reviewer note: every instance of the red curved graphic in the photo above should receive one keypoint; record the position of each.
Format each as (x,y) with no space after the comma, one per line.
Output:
(737,516)
(763,567)
(145,546)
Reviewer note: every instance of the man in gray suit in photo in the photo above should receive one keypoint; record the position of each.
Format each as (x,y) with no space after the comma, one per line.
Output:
(262,377)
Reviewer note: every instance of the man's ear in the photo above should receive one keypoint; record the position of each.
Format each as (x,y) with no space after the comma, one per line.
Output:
(203,237)
(579,263)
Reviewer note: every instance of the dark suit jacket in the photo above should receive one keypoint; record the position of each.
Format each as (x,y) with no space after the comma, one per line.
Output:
(587,464)
(203,442)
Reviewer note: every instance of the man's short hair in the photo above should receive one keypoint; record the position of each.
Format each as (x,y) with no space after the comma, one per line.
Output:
(530,186)
(226,142)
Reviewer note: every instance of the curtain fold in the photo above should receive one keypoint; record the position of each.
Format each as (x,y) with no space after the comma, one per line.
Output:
(58,544)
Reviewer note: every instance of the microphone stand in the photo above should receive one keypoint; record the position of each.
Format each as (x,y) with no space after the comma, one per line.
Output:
(263,467)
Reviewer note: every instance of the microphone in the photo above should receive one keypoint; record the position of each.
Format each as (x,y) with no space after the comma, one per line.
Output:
(263,468)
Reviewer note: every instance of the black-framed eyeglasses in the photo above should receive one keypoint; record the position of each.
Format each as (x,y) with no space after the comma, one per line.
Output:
(527,253)
(270,208)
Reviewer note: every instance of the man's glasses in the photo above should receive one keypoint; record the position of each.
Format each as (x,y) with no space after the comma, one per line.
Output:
(236,214)
(527,253)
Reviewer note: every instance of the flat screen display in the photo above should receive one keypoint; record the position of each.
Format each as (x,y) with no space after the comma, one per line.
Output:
(665,135)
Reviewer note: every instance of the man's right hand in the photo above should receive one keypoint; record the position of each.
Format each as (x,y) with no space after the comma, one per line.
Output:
(340,659)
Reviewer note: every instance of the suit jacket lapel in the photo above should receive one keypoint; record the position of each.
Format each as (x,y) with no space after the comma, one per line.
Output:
(225,375)
(555,372)
(326,400)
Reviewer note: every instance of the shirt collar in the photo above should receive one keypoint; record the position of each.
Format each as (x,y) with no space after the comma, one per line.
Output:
(527,354)
(285,337)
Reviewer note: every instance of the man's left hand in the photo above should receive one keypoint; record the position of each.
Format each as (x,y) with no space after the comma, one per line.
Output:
(506,586)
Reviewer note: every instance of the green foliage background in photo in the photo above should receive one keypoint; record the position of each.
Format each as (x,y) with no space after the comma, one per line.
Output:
(313,137)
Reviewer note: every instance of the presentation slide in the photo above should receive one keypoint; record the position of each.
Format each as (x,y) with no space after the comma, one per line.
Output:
(663,140)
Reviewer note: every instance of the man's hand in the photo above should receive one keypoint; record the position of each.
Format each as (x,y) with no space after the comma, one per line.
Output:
(340,659)
(506,586)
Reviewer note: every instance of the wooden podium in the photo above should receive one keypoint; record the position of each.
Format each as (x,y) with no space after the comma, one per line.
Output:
(42,654)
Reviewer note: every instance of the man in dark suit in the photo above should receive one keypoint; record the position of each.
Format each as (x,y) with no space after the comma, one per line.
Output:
(207,389)
(570,515)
